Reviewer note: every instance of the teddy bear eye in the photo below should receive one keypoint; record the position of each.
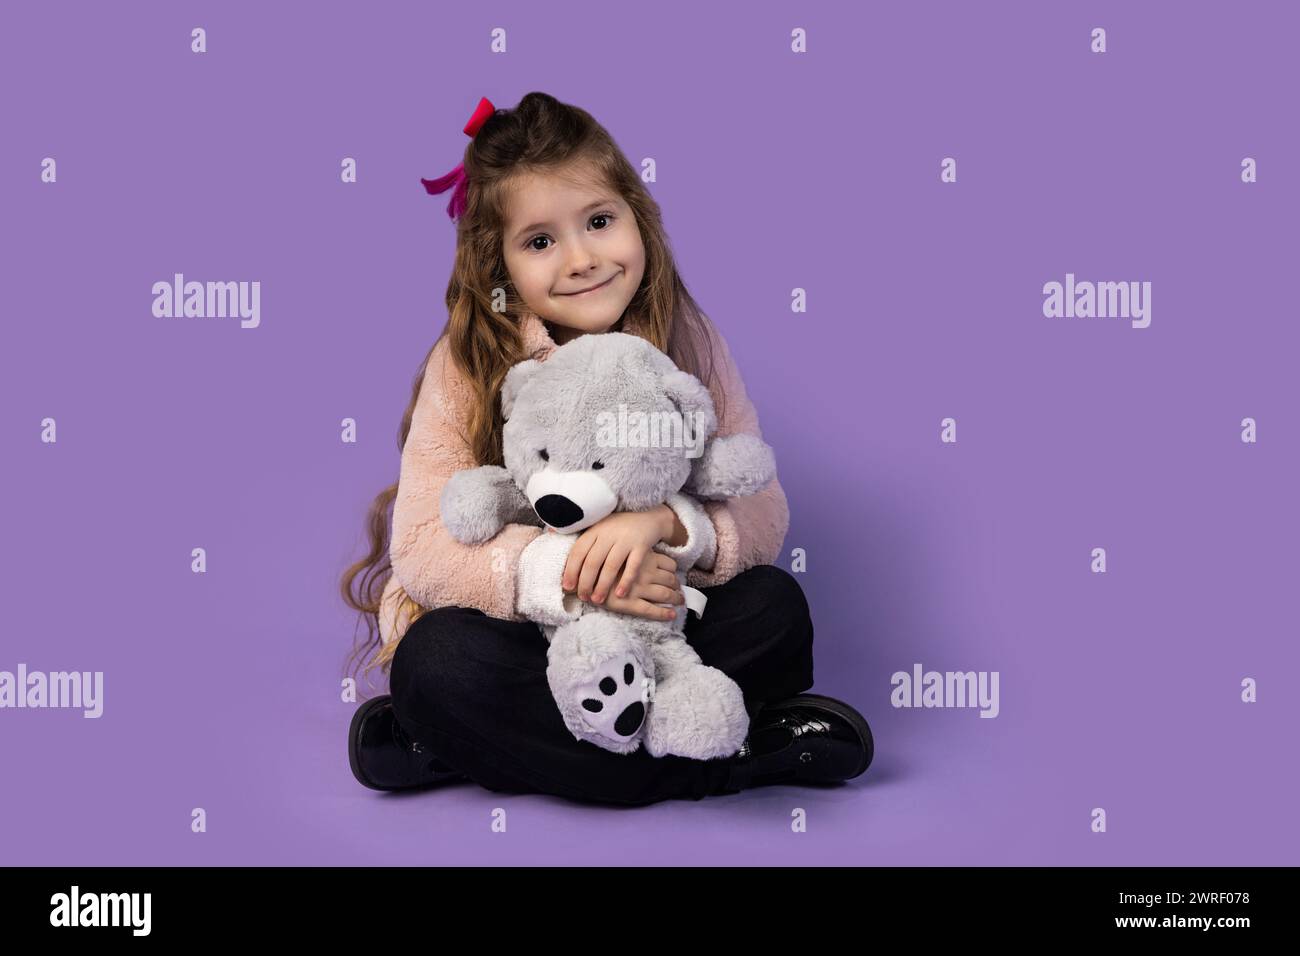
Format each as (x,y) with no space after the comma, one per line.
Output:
(545,457)
(597,465)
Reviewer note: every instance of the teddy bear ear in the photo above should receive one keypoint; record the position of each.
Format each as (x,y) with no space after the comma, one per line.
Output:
(515,380)
(692,399)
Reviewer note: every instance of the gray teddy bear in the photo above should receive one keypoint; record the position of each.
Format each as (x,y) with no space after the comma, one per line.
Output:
(608,423)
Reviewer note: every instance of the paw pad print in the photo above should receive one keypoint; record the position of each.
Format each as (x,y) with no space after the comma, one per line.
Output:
(615,705)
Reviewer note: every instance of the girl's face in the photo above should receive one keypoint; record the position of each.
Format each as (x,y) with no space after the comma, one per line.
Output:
(562,239)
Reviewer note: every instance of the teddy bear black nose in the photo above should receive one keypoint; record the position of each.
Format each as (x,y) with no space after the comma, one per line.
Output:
(557,511)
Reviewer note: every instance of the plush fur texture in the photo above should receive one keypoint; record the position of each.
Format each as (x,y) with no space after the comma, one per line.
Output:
(487,500)
(609,423)
(432,569)
(616,401)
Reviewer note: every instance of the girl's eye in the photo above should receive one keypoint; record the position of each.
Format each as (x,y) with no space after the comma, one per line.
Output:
(541,235)
(597,465)
(545,457)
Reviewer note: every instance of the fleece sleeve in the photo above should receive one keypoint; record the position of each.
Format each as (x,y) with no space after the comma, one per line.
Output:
(539,592)
(434,568)
(750,529)
(701,544)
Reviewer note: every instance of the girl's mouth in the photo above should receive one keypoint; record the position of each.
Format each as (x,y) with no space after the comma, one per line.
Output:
(593,288)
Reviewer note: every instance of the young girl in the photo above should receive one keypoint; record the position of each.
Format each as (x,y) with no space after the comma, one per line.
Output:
(557,238)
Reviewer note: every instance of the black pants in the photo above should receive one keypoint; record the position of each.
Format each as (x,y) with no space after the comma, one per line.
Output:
(473,690)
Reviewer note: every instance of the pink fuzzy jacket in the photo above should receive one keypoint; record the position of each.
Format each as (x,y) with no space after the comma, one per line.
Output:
(435,570)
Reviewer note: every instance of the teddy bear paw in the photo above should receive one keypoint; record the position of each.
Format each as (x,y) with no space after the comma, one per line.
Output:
(698,714)
(614,706)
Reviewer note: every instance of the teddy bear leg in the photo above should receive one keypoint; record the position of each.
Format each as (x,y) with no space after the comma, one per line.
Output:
(603,681)
(698,711)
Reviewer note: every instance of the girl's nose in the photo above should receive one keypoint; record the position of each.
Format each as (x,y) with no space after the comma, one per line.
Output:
(583,262)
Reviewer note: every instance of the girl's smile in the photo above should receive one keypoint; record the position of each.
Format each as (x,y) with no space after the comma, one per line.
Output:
(595,288)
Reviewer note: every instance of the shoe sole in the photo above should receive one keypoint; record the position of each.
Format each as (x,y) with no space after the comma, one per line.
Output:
(354,734)
(842,709)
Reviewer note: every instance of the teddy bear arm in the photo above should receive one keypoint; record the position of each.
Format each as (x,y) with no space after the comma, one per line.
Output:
(477,503)
(738,464)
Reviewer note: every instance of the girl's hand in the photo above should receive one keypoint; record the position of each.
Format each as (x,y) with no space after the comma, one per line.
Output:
(619,542)
(655,584)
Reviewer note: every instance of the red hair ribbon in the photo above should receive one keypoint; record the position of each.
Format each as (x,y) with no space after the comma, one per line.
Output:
(457,178)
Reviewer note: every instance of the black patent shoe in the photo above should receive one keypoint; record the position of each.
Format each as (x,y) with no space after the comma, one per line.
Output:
(803,739)
(383,757)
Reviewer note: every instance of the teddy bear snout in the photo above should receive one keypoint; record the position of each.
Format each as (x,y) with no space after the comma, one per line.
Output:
(557,511)
(569,501)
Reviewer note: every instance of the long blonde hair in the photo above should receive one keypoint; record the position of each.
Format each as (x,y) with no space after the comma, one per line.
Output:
(543,135)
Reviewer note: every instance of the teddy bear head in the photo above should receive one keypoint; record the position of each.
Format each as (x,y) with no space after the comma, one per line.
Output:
(608,423)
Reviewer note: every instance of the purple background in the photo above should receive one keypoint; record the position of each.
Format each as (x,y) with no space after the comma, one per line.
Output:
(774,171)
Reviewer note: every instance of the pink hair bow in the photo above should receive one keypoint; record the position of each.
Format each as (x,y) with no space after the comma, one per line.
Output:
(456,180)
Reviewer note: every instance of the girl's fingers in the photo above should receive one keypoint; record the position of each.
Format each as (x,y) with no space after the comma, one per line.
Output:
(661,595)
(591,567)
(653,611)
(609,572)
(667,578)
(630,571)
(577,554)
(645,609)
